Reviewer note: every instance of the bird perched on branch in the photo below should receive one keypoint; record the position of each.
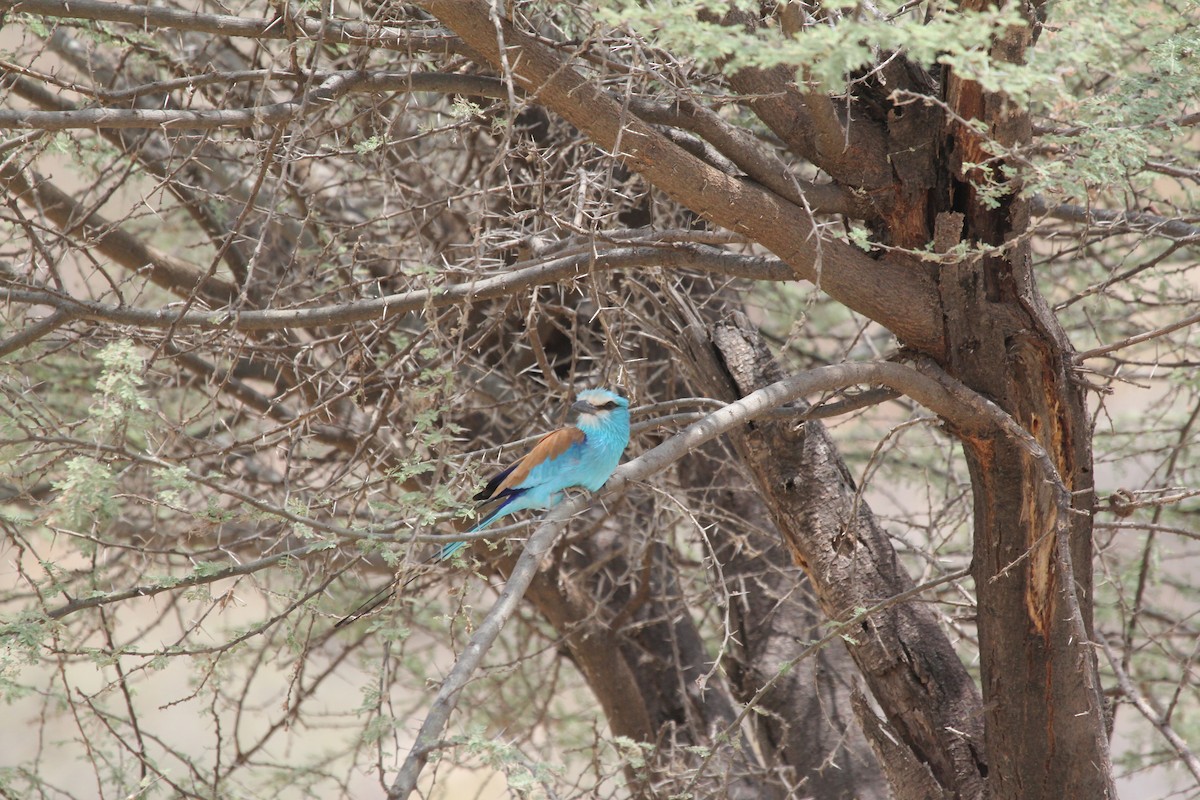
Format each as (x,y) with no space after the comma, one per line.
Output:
(583,455)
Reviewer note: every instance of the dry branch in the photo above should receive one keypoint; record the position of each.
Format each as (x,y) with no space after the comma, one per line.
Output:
(332,87)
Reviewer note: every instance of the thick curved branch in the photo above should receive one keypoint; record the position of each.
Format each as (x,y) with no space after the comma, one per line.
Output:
(900,297)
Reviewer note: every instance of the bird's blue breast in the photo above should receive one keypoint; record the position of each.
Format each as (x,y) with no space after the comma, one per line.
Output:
(586,464)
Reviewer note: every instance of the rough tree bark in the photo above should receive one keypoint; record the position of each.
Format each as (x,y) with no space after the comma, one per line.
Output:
(930,701)
(805,722)
(1045,716)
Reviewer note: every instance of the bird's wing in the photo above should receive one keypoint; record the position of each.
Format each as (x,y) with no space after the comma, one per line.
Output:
(549,447)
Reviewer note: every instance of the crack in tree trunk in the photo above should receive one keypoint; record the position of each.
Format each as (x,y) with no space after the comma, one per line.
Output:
(1044,713)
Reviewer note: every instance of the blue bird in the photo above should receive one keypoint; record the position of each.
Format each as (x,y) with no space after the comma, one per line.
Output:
(580,455)
(583,455)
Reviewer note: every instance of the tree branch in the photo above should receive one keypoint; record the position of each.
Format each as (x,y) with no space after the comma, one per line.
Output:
(153,153)
(900,297)
(332,86)
(902,653)
(1178,744)
(1138,339)
(808,122)
(1118,221)
(197,578)
(147,17)
(518,276)
(114,242)
(30,334)
(753,157)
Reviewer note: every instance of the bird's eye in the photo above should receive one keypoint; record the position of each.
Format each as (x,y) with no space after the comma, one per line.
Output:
(609,406)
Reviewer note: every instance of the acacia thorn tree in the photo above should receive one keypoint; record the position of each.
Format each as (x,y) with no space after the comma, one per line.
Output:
(903,295)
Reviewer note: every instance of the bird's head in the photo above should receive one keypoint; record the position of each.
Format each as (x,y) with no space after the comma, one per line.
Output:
(600,407)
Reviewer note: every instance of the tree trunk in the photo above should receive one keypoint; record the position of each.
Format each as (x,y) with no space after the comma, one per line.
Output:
(930,702)
(1044,715)
(1040,683)
(805,724)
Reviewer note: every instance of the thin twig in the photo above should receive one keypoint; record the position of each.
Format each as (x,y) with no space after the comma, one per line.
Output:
(1141,337)
(1140,703)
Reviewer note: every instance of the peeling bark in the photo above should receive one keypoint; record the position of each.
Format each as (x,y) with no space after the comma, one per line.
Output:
(908,777)
(1044,714)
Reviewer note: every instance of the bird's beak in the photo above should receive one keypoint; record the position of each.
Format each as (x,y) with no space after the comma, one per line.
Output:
(583,407)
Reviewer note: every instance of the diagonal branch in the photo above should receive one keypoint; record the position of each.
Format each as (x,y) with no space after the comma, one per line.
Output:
(31,333)
(114,242)
(1146,336)
(809,123)
(753,157)
(1155,718)
(902,298)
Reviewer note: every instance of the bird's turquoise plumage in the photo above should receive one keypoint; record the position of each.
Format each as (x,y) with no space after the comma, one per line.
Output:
(581,455)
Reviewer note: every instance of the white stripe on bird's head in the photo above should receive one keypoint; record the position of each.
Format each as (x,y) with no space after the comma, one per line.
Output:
(598,404)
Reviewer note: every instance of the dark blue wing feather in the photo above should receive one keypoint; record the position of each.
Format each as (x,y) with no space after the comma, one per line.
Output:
(486,492)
